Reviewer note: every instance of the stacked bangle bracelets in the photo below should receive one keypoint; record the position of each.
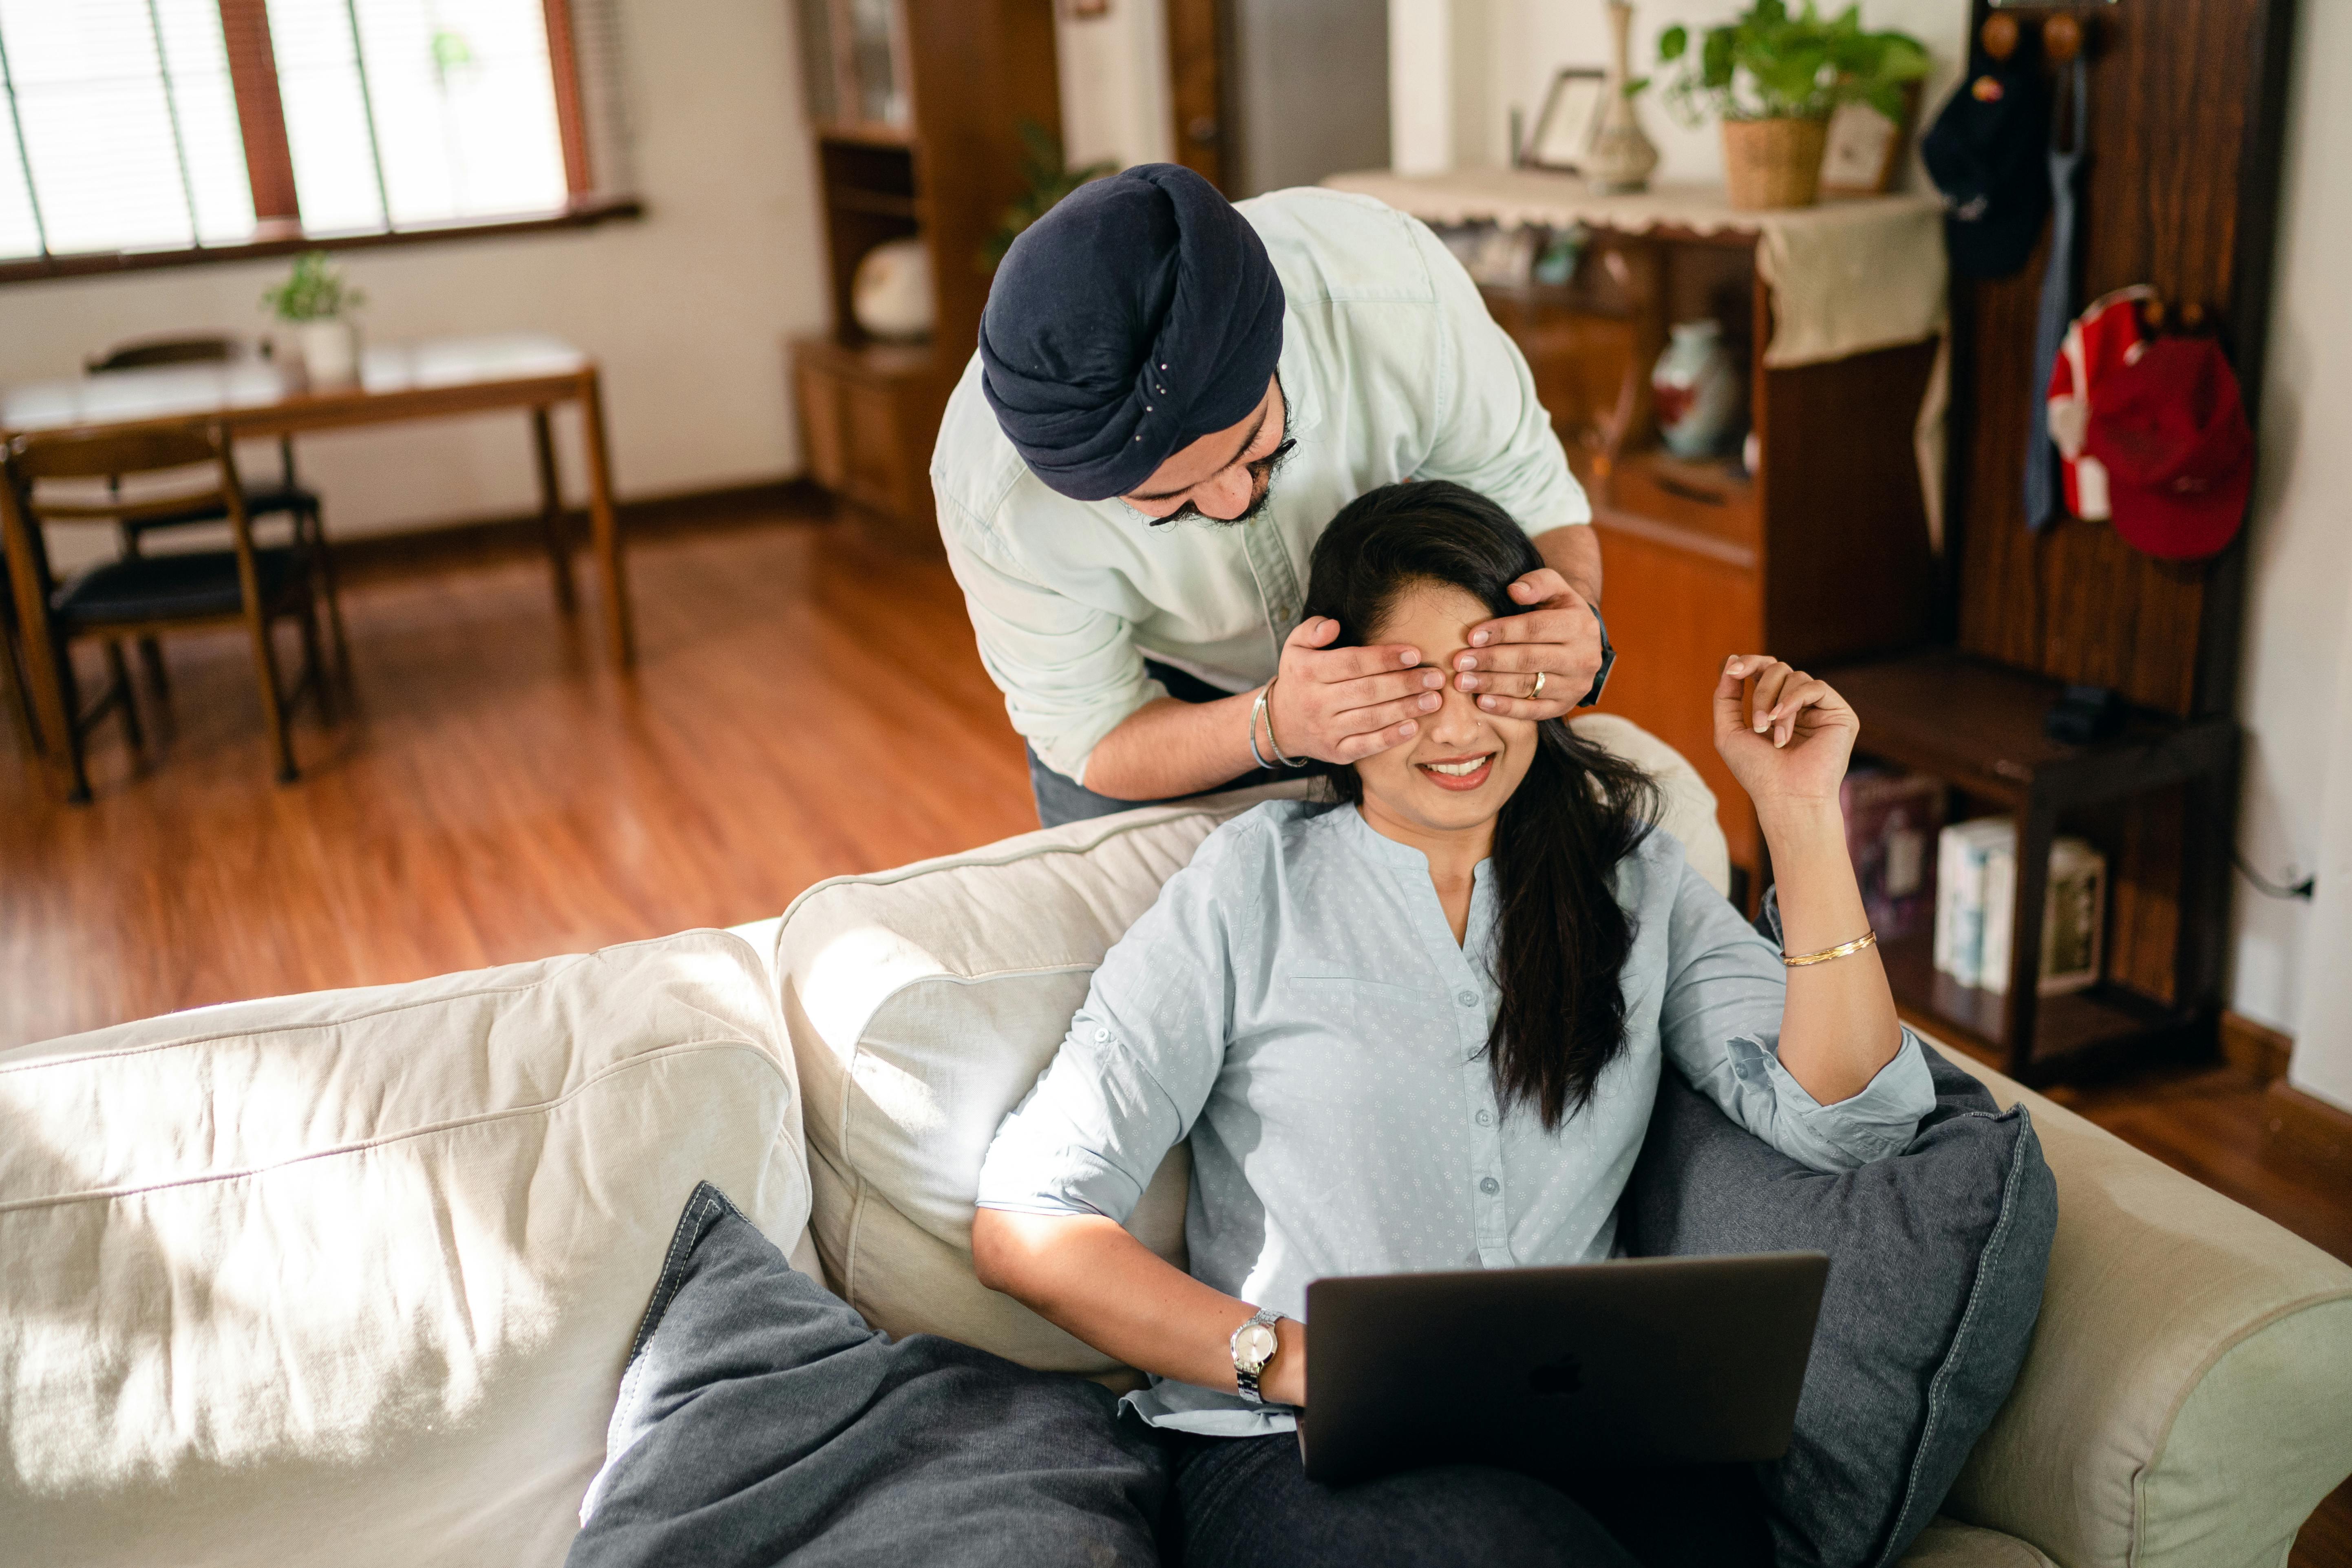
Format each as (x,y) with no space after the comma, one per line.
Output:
(1258,711)
(1868,939)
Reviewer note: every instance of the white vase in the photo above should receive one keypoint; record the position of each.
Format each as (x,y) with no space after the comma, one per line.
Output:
(890,294)
(1696,392)
(1621,156)
(330,351)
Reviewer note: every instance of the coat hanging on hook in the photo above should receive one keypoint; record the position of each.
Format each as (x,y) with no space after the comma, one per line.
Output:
(1986,153)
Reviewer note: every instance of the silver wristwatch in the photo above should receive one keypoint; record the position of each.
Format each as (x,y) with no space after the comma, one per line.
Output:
(1253,1345)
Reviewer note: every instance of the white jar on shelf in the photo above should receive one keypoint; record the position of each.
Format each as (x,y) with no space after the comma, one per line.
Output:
(1695,391)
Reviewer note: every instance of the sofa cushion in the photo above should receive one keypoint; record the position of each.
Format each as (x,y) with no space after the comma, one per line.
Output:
(1937,1259)
(351,1277)
(922,1003)
(762,1421)
(2187,1400)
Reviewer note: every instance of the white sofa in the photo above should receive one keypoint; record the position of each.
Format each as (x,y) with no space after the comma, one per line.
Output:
(350,1279)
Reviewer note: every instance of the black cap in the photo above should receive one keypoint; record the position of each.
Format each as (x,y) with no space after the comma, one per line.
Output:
(1988,154)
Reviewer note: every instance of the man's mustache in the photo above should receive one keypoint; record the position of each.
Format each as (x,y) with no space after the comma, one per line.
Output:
(1262,491)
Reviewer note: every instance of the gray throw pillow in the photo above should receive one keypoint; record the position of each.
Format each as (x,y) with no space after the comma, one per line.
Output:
(1937,1259)
(760,1420)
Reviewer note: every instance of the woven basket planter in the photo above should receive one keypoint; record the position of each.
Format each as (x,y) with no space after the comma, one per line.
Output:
(1773,163)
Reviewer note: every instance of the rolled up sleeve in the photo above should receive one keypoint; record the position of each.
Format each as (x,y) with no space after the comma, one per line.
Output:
(1070,673)
(1493,432)
(1720,1026)
(1137,1066)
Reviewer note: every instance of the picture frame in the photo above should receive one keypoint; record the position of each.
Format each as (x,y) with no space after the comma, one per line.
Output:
(1563,129)
(1864,147)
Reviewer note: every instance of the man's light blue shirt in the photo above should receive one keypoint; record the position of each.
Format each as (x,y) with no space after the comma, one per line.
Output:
(1392,370)
(1296,1005)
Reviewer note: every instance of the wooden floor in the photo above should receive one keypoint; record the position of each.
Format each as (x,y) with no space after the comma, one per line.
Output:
(804,706)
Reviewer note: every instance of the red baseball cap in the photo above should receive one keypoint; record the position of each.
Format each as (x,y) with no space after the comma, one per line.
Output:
(2171,431)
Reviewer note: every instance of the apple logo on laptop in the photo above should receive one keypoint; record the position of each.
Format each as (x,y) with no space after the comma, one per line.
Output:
(1564,1374)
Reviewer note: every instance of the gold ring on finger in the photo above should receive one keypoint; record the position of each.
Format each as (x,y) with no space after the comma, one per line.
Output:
(1536,690)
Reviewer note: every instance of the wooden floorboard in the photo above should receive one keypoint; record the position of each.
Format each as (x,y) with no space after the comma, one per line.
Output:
(805,705)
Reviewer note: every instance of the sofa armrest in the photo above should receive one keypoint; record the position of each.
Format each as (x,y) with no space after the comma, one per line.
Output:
(2188,1399)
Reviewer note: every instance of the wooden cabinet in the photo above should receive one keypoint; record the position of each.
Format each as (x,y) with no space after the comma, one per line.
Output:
(1820,554)
(868,417)
(2187,114)
(917,106)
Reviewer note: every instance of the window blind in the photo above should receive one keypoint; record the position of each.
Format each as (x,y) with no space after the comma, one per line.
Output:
(121,127)
(146,124)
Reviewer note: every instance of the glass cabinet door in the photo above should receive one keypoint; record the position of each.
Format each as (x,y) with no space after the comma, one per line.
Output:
(819,72)
(850,62)
(874,62)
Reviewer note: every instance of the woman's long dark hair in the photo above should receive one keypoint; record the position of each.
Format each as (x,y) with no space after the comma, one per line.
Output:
(1578,812)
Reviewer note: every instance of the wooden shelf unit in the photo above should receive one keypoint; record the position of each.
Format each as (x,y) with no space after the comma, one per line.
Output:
(1702,559)
(2191,103)
(963,75)
(1978,726)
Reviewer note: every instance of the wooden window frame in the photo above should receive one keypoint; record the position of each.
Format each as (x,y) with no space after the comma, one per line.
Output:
(269,168)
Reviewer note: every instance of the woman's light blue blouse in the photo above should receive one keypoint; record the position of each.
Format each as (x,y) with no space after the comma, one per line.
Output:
(1294,1002)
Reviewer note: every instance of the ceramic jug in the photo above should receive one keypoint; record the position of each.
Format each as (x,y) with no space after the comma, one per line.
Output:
(1696,392)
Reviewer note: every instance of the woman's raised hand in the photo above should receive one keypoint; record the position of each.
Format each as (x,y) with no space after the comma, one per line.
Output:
(1788,740)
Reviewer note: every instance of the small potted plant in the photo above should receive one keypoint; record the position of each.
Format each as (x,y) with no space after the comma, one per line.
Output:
(316,302)
(1774,78)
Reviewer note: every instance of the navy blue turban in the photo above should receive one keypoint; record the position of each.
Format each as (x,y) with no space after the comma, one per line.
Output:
(1138,315)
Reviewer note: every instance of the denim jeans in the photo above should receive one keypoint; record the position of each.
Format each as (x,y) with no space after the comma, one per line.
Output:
(1061,799)
(1241,1502)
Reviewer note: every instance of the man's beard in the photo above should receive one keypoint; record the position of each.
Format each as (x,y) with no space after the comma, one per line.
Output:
(1261,487)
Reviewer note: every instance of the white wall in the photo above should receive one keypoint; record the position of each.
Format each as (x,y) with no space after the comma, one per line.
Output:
(1114,94)
(1440,84)
(2323,1045)
(1519,44)
(686,309)
(2291,967)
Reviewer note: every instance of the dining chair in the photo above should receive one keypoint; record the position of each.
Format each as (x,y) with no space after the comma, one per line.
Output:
(18,698)
(285,494)
(142,596)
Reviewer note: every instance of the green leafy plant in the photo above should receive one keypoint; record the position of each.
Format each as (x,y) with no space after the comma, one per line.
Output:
(1770,64)
(1049,178)
(313,291)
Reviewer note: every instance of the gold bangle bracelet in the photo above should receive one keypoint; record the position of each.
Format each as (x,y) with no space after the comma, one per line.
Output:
(1868,939)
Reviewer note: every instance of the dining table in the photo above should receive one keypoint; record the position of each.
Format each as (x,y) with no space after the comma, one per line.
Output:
(431,378)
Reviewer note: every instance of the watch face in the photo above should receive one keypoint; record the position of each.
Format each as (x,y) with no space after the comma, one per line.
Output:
(1255,1345)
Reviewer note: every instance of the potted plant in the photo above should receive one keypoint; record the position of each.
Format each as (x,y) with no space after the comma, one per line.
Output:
(1774,78)
(1048,177)
(316,303)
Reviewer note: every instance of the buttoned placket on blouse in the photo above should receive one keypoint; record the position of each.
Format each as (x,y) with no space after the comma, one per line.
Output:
(1474,1001)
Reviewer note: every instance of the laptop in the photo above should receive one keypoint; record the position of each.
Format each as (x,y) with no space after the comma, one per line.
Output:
(1648,1359)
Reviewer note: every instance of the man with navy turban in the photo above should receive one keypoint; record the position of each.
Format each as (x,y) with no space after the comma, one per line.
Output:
(1172,397)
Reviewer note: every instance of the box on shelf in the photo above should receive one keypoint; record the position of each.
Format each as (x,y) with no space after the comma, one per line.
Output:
(1976,892)
(1960,853)
(1891,819)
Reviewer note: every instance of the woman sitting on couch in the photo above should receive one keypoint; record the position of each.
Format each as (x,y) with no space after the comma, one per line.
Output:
(1422,1029)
